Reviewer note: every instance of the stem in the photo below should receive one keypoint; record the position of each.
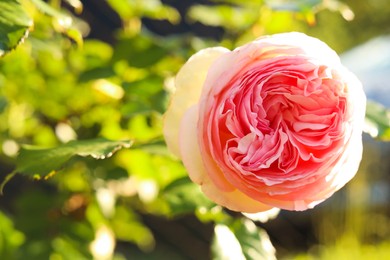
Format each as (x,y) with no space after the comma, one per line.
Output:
(6,180)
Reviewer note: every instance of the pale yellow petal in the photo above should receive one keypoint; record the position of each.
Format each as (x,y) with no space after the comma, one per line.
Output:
(193,159)
(235,200)
(189,146)
(189,83)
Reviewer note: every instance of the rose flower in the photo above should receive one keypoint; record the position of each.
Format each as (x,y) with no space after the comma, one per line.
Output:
(276,122)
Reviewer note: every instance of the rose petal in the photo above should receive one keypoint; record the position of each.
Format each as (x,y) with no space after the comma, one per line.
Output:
(228,197)
(235,200)
(189,82)
(308,45)
(190,152)
(277,121)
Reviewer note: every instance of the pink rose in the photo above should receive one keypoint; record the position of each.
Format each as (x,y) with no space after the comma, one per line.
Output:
(274,123)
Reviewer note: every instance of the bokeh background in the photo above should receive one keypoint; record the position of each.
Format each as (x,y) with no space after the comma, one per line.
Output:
(105,68)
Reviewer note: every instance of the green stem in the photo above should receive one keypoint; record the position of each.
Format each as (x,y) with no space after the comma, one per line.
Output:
(6,180)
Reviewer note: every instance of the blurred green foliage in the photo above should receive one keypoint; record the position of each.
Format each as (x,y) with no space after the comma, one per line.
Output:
(378,121)
(68,94)
(10,238)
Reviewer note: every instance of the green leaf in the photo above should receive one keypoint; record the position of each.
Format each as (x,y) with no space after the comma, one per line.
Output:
(35,161)
(96,73)
(140,52)
(231,17)
(63,22)
(152,8)
(161,12)
(225,244)
(14,25)
(184,196)
(377,122)
(241,239)
(293,5)
(48,10)
(254,241)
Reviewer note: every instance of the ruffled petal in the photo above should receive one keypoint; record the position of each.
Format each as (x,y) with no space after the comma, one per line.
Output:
(226,196)
(274,123)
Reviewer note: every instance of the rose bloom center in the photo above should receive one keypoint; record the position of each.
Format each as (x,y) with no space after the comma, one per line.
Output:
(278,122)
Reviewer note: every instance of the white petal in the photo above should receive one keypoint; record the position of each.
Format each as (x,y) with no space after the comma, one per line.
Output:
(235,200)
(311,46)
(189,146)
(189,83)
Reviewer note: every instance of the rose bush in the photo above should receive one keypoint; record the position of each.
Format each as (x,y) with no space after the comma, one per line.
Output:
(274,123)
